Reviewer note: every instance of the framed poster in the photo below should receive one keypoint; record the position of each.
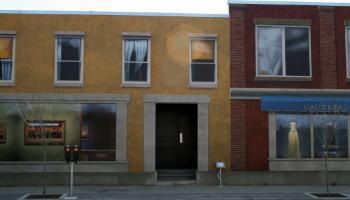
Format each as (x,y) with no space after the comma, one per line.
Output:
(2,132)
(84,134)
(34,131)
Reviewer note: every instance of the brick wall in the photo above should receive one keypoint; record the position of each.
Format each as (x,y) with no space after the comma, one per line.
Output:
(237,46)
(342,20)
(238,135)
(249,125)
(328,48)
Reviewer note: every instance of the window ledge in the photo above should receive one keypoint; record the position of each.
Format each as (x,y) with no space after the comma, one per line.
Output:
(203,85)
(308,164)
(279,78)
(68,84)
(7,83)
(140,85)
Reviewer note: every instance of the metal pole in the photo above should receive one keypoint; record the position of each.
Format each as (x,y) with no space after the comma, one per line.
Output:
(44,189)
(71,178)
(327,171)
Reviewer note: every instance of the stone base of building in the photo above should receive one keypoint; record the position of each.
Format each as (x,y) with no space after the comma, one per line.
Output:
(149,178)
(241,178)
(80,179)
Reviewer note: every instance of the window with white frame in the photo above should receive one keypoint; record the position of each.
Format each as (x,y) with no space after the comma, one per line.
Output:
(7,58)
(69,59)
(283,51)
(203,60)
(136,58)
(305,135)
(348,50)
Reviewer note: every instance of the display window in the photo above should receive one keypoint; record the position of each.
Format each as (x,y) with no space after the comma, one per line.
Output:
(308,136)
(28,126)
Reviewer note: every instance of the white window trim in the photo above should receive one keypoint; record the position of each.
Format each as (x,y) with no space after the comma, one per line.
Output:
(80,82)
(203,84)
(308,164)
(10,34)
(135,36)
(347,51)
(283,51)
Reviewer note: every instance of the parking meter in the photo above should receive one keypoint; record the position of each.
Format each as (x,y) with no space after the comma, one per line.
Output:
(76,153)
(67,152)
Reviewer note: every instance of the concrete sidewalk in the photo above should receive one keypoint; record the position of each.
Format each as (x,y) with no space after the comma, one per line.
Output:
(178,192)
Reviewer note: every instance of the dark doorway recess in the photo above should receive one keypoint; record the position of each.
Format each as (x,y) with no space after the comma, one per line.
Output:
(176,136)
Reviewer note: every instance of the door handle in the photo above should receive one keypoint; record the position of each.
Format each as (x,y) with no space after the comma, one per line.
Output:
(181,139)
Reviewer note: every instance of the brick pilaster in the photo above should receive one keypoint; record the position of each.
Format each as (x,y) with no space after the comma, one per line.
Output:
(328,48)
(237,47)
(238,135)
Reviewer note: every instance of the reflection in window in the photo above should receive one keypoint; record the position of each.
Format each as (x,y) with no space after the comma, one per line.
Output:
(293,136)
(348,49)
(283,51)
(136,60)
(6,58)
(69,58)
(97,136)
(339,138)
(92,126)
(203,60)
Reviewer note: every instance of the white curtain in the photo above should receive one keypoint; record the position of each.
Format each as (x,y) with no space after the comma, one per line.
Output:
(270,50)
(6,69)
(129,47)
(59,49)
(141,50)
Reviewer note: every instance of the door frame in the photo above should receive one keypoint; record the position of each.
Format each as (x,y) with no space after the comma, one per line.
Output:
(150,102)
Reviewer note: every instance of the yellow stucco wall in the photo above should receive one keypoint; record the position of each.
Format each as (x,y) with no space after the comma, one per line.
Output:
(35,48)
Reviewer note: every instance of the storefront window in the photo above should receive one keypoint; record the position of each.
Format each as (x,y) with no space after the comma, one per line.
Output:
(92,126)
(295,131)
(293,136)
(338,140)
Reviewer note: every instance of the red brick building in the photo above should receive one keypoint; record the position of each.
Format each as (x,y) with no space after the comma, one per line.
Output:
(290,86)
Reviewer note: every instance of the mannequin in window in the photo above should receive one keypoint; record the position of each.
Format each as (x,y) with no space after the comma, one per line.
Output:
(293,141)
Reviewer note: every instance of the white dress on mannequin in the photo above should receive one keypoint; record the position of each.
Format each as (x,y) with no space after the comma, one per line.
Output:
(293,141)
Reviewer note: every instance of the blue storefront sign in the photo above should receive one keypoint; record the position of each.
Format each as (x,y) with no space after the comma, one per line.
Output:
(310,104)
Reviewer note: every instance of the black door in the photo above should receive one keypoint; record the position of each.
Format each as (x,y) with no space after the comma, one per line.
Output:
(176,136)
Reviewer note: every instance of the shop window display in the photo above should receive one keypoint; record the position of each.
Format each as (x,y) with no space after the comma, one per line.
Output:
(304,135)
(92,126)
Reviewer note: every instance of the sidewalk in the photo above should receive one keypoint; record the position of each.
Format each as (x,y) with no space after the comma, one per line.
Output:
(178,192)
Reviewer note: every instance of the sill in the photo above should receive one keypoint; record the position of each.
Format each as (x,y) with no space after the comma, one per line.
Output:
(7,83)
(284,78)
(68,84)
(137,85)
(203,85)
(308,164)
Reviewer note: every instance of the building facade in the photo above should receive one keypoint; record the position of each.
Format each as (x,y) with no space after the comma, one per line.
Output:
(139,94)
(289,89)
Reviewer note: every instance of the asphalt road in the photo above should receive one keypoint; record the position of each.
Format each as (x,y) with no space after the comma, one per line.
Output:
(178,192)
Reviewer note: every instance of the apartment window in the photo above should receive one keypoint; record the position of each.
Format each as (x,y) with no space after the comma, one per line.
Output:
(305,135)
(348,50)
(136,60)
(7,58)
(69,59)
(283,51)
(203,61)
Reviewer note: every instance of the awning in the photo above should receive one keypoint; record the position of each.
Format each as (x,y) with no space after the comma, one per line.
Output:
(306,104)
